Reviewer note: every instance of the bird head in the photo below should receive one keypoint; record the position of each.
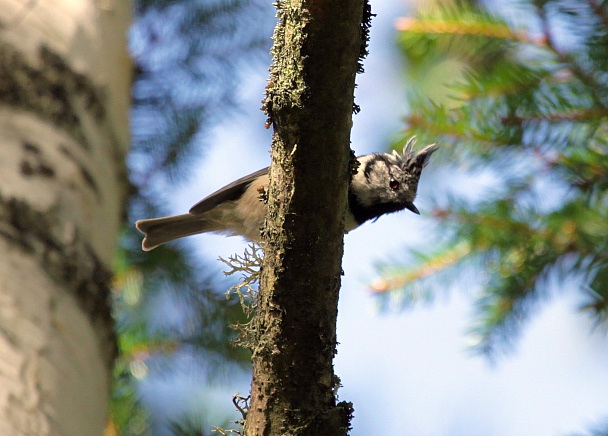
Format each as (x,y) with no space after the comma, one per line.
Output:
(388,182)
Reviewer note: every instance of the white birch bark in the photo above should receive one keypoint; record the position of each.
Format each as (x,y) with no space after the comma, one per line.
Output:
(64,99)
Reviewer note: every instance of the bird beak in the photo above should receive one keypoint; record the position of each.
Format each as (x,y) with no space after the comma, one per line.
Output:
(410,206)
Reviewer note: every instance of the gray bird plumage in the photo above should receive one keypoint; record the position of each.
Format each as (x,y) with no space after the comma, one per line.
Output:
(384,183)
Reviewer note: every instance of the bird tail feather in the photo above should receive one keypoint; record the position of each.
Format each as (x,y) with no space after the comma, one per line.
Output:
(158,231)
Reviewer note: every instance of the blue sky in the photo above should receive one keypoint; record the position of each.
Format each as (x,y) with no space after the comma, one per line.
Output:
(411,372)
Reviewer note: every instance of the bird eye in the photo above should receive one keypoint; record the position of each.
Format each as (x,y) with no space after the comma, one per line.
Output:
(393,184)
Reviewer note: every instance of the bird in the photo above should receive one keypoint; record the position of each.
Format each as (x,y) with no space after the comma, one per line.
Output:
(383,183)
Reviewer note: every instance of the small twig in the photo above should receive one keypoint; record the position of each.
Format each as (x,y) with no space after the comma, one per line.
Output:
(237,399)
(224,432)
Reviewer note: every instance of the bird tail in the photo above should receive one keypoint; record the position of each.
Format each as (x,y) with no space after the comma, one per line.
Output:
(157,231)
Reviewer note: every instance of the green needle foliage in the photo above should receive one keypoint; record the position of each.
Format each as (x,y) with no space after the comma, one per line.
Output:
(525,101)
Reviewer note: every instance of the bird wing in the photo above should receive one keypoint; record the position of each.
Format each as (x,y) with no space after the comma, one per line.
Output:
(230,192)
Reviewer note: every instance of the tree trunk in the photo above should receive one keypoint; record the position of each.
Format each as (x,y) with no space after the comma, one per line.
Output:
(64,98)
(310,102)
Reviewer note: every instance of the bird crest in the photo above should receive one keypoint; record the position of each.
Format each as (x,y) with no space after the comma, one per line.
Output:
(411,160)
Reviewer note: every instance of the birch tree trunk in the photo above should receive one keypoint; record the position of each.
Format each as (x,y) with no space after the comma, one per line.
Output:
(64,98)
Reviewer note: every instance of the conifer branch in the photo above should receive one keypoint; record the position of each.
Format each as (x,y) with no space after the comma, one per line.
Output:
(580,115)
(456,27)
(567,58)
(433,266)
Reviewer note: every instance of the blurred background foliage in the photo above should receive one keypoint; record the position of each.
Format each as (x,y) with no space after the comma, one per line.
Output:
(517,93)
(187,56)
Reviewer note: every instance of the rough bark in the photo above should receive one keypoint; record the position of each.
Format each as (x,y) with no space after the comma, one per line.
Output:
(310,104)
(64,97)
